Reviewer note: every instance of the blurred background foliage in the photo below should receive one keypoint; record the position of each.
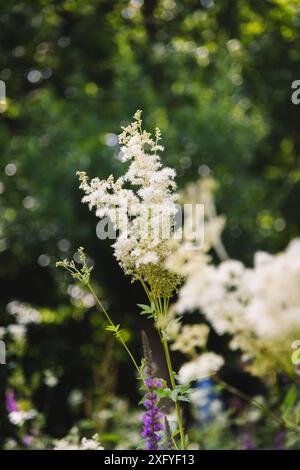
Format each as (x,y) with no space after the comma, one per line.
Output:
(215,76)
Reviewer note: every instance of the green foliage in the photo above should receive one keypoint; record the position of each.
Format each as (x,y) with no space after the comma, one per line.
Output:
(217,81)
(180,393)
(148,310)
(83,274)
(115,329)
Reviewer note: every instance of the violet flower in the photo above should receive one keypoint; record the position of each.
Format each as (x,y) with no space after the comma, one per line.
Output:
(152,418)
(280,441)
(11,403)
(248,441)
(27,440)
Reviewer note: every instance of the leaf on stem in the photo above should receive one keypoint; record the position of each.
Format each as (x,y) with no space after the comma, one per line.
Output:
(148,310)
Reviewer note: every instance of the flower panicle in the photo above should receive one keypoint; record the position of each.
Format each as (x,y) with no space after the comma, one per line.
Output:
(141,205)
(152,418)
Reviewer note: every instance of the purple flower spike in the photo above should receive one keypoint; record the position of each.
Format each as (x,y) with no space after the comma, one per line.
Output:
(152,418)
(11,403)
(148,382)
(248,442)
(158,383)
(27,440)
(280,441)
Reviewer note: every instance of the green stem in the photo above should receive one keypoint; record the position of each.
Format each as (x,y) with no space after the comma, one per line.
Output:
(254,402)
(98,301)
(162,310)
(173,386)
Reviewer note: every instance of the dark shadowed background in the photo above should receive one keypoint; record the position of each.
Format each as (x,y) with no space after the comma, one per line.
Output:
(215,76)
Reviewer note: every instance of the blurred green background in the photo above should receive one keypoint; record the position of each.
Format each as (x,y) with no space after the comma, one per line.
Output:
(215,76)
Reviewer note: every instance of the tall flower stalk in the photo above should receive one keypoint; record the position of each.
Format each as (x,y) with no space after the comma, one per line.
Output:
(160,315)
(141,205)
(83,275)
(152,418)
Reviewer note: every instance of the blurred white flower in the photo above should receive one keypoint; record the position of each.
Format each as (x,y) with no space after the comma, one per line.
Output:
(51,379)
(17,331)
(91,444)
(191,337)
(18,418)
(259,307)
(205,365)
(23,313)
(75,398)
(67,443)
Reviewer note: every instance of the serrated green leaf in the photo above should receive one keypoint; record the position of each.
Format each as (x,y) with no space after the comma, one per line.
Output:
(147,309)
(143,306)
(174,395)
(163,392)
(115,329)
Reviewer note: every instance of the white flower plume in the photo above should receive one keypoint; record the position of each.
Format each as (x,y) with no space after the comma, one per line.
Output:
(140,204)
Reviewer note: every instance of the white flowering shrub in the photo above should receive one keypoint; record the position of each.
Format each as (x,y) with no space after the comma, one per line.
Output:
(258,307)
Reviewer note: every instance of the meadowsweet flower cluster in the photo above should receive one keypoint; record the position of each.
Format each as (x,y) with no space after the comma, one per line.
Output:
(201,367)
(140,204)
(259,307)
(213,290)
(190,337)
